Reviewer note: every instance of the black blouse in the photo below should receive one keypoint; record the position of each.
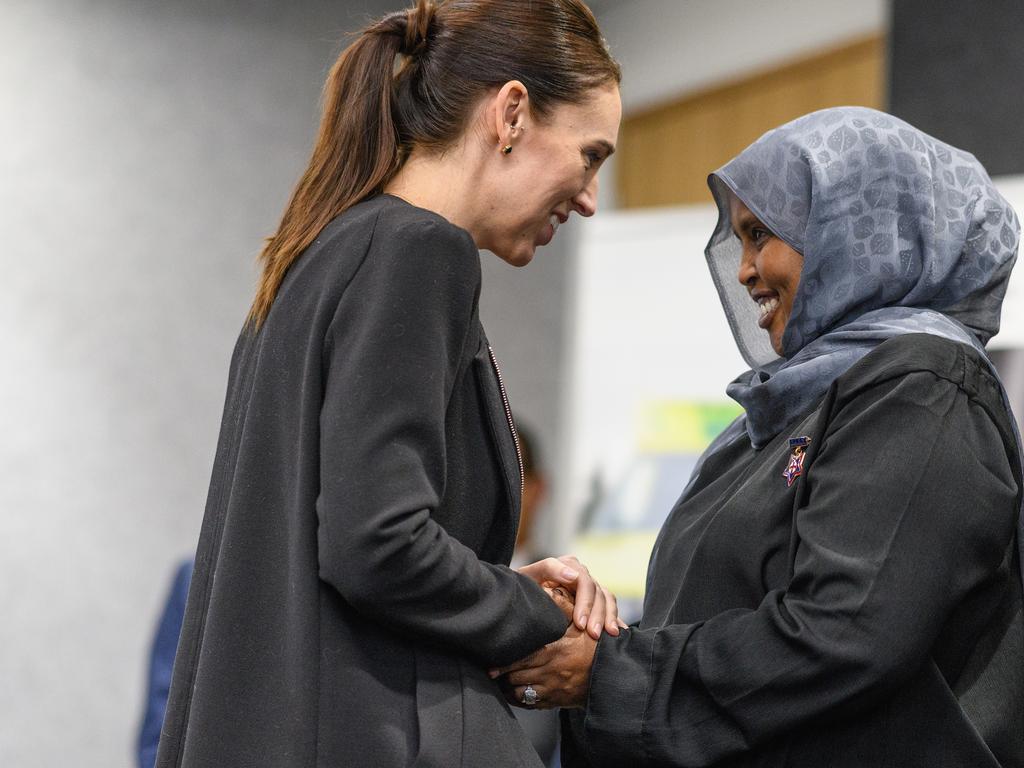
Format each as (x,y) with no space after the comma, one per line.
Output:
(866,614)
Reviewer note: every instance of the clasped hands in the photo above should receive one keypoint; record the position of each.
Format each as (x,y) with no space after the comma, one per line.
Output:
(559,673)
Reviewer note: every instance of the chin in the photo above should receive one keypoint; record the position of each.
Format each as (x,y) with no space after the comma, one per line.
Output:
(777,345)
(518,258)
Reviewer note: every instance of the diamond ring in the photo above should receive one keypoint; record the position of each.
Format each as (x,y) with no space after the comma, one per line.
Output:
(530,696)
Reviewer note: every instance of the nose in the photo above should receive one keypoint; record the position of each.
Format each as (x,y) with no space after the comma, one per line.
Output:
(585,202)
(747,273)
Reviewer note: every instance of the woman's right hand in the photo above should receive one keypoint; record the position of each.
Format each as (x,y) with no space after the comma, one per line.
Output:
(559,672)
(595,609)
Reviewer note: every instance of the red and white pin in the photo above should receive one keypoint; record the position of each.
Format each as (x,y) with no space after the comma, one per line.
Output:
(795,468)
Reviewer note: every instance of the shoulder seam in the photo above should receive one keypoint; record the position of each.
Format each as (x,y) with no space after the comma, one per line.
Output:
(328,344)
(957,374)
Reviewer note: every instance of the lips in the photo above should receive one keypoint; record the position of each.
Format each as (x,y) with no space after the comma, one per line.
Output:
(767,306)
(547,234)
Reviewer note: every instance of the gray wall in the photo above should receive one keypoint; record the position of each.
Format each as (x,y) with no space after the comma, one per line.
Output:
(146,148)
(955,72)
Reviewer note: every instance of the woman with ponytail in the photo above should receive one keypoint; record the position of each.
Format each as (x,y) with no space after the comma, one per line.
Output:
(351,585)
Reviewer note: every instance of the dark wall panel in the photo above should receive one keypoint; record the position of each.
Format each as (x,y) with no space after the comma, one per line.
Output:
(957,72)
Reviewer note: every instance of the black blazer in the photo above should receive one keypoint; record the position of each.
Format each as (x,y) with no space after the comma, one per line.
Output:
(350,586)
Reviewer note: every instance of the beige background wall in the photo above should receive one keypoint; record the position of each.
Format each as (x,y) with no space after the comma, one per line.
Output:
(667,152)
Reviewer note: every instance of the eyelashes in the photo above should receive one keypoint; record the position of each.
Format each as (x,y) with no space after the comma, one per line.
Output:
(593,159)
(759,235)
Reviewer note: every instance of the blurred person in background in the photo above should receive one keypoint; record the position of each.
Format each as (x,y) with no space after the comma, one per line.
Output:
(529,540)
(351,581)
(161,664)
(840,583)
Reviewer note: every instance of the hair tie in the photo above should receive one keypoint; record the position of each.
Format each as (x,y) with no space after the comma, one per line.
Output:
(411,27)
(418,22)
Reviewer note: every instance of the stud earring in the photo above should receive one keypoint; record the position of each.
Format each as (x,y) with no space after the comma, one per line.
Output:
(507,149)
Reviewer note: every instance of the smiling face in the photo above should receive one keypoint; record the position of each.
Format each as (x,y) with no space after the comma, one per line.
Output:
(769,268)
(550,173)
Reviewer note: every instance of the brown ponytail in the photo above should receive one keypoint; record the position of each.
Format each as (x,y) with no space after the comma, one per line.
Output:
(453,52)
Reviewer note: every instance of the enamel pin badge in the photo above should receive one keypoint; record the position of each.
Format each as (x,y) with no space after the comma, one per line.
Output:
(795,468)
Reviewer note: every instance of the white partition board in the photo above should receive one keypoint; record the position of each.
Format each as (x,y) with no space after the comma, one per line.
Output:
(646,326)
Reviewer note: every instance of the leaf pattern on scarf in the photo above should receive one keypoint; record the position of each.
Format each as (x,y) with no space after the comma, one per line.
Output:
(882,204)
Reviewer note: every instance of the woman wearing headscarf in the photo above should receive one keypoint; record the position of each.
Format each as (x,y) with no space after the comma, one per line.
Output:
(840,583)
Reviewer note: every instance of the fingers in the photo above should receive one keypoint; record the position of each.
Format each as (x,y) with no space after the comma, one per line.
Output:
(561,594)
(612,622)
(595,610)
(524,677)
(536,659)
(518,698)
(559,673)
(561,599)
(571,563)
(586,593)
(598,612)
(516,695)
(553,570)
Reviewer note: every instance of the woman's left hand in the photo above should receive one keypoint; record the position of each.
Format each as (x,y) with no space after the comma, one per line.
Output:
(559,673)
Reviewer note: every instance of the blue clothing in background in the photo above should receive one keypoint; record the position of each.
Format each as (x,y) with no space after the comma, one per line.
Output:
(161,663)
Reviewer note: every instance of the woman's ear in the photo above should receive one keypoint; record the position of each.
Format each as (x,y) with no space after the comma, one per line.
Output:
(510,109)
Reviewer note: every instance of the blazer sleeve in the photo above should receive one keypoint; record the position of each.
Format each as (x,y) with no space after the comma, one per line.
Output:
(392,355)
(911,503)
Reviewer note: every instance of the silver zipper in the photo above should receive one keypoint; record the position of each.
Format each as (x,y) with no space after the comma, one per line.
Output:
(511,424)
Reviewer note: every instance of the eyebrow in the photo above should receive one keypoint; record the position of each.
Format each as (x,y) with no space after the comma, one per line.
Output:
(609,149)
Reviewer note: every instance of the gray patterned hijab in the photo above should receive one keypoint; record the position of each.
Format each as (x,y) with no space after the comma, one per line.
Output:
(900,233)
